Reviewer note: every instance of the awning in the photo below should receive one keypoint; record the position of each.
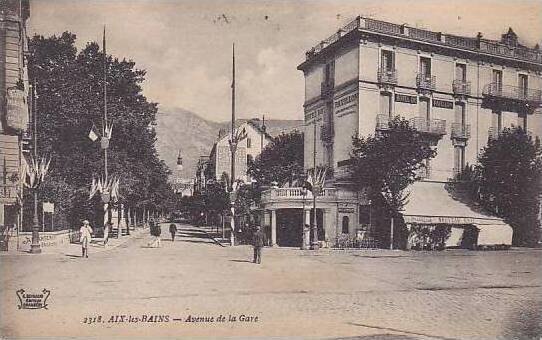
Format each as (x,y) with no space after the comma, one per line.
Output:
(430,203)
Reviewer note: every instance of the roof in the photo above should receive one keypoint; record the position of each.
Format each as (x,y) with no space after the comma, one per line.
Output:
(252,122)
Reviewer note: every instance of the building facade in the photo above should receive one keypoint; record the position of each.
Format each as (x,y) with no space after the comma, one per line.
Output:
(457,91)
(247,150)
(14,106)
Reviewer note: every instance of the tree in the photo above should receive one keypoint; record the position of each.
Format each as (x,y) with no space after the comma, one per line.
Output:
(281,161)
(384,165)
(71,101)
(509,177)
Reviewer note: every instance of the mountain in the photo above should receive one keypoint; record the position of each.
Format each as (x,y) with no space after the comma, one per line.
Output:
(179,129)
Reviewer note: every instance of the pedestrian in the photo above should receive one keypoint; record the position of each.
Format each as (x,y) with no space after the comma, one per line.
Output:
(86,237)
(155,232)
(172,230)
(258,240)
(107,228)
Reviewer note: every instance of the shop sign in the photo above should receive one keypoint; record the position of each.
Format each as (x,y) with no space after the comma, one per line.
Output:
(346,104)
(438,220)
(403,98)
(443,104)
(347,210)
(17,111)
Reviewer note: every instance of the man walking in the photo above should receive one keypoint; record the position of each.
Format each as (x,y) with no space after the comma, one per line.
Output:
(258,240)
(86,237)
(173,231)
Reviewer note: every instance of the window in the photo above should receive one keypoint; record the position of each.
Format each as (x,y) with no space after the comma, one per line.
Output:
(345,225)
(461,72)
(250,159)
(387,60)
(249,143)
(425,67)
(523,84)
(385,104)
(497,78)
(329,73)
(496,120)
(459,159)
(365,214)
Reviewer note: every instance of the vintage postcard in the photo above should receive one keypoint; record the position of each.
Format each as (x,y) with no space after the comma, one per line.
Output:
(353,169)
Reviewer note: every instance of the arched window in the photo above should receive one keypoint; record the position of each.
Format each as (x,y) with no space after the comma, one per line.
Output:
(346,222)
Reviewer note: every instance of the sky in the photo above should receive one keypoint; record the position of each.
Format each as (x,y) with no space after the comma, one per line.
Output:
(186,46)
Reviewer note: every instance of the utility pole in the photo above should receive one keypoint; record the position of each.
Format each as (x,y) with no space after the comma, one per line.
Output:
(315,188)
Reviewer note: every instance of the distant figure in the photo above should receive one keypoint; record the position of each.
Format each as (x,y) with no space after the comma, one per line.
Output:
(258,240)
(86,237)
(156,231)
(173,230)
(107,228)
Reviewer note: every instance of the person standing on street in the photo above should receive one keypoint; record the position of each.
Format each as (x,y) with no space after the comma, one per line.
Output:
(173,231)
(156,231)
(258,240)
(86,237)
(107,229)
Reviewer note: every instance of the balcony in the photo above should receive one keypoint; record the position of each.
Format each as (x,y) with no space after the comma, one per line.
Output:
(382,122)
(8,193)
(426,82)
(435,127)
(460,131)
(386,76)
(296,194)
(327,89)
(461,87)
(514,93)
(493,133)
(327,133)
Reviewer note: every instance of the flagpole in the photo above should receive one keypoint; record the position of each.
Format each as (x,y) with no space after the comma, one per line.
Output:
(233,147)
(105,103)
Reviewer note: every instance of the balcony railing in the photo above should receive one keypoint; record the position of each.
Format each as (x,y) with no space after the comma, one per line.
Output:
(426,82)
(8,191)
(296,194)
(382,122)
(432,126)
(493,133)
(326,132)
(386,76)
(472,44)
(460,131)
(327,89)
(461,87)
(512,92)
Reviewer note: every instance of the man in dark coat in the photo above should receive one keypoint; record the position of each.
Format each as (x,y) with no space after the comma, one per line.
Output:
(172,230)
(258,240)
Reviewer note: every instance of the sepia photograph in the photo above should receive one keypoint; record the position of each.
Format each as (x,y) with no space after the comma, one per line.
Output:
(349,169)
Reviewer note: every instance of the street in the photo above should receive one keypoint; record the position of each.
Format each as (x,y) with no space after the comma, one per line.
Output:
(194,287)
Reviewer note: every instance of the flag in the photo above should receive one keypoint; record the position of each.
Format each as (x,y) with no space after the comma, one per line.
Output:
(92,134)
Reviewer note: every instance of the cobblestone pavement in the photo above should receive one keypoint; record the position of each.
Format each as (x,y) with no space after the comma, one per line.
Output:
(337,294)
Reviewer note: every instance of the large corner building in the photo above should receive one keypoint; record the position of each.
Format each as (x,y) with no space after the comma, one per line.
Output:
(458,91)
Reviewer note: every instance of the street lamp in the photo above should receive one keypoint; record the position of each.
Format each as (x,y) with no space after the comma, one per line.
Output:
(34,174)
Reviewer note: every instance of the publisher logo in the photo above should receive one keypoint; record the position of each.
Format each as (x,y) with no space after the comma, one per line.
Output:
(33,300)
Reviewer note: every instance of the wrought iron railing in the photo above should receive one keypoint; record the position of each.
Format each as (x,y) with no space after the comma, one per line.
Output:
(387,76)
(512,92)
(326,132)
(382,122)
(426,81)
(493,133)
(327,89)
(431,126)
(461,87)
(460,131)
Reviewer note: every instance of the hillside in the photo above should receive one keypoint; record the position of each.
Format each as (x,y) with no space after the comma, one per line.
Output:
(194,136)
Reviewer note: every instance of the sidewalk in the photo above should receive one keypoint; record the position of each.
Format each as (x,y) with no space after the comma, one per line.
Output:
(96,245)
